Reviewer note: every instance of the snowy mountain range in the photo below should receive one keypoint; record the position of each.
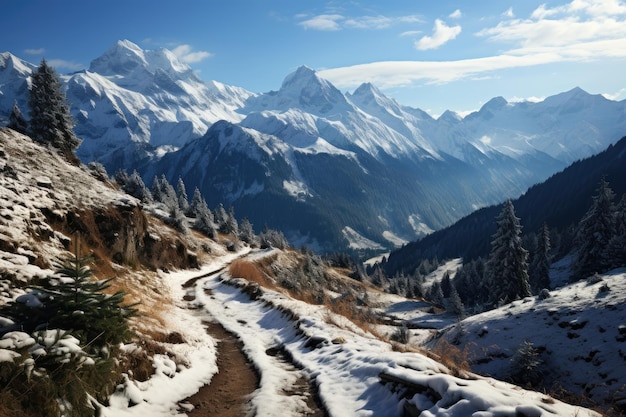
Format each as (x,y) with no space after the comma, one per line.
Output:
(353,368)
(332,170)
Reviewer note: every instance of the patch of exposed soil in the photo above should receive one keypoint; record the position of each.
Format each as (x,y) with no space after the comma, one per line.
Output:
(229,392)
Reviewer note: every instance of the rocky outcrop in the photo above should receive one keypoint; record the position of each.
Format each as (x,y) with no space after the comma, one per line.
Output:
(124,234)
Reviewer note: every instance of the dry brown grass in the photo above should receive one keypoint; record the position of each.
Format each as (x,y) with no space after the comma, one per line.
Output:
(362,317)
(10,406)
(250,271)
(455,359)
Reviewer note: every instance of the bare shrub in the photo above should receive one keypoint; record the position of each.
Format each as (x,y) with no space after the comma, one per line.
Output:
(455,359)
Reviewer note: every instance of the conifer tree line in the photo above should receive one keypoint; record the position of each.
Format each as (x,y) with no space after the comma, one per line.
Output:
(518,265)
(183,212)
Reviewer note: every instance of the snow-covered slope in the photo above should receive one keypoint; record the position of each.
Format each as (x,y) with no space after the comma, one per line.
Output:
(343,361)
(579,334)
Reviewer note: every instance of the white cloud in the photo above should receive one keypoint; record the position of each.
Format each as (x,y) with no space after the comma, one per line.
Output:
(389,74)
(369,22)
(325,22)
(509,13)
(619,95)
(441,35)
(332,22)
(456,14)
(38,51)
(185,54)
(530,99)
(580,31)
(63,64)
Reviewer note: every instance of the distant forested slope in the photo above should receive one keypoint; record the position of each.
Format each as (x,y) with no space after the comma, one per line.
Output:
(560,201)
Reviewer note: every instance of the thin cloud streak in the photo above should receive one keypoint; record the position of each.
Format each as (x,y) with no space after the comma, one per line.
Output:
(38,51)
(324,22)
(334,22)
(390,74)
(63,64)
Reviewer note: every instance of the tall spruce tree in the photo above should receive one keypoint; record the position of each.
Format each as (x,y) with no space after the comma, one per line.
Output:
(50,119)
(616,250)
(594,233)
(181,192)
(540,277)
(507,267)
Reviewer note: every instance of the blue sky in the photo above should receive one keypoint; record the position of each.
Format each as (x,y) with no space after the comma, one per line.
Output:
(434,55)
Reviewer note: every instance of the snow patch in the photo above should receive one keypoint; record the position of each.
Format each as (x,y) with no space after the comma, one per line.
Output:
(396,240)
(358,241)
(297,189)
(419,227)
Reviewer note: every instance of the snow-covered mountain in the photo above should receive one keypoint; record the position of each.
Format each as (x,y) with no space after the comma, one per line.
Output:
(14,77)
(148,99)
(356,164)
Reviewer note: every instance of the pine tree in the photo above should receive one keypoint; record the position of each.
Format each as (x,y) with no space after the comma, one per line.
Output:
(219,216)
(134,186)
(197,203)
(526,365)
(507,268)
(435,295)
(616,250)
(71,307)
(454,304)
(181,192)
(204,223)
(163,192)
(271,238)
(17,122)
(230,226)
(121,178)
(50,119)
(446,285)
(594,233)
(540,277)
(155,190)
(246,231)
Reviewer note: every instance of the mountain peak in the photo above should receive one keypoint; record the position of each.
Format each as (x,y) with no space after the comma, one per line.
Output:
(8,61)
(303,75)
(126,57)
(495,103)
(121,59)
(306,88)
(366,90)
(450,117)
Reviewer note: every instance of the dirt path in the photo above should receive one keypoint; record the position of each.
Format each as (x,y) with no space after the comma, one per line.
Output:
(228,394)
(230,389)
